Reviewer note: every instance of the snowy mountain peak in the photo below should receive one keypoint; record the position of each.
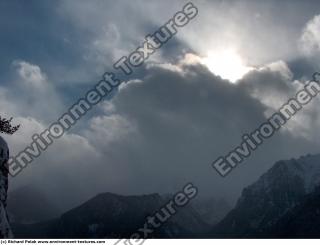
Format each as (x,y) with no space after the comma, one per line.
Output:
(306,169)
(264,202)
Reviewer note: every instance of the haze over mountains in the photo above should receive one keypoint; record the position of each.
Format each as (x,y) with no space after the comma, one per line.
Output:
(110,215)
(283,202)
(37,206)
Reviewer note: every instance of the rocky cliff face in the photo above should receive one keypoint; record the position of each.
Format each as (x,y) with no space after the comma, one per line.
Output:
(264,203)
(5,231)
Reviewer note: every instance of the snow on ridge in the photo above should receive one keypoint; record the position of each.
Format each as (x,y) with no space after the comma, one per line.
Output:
(308,169)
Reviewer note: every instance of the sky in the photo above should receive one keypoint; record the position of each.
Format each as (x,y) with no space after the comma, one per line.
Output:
(220,77)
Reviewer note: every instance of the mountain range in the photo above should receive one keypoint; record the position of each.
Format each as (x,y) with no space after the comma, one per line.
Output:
(109,215)
(280,195)
(283,202)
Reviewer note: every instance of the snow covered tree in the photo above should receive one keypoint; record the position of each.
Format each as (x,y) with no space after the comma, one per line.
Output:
(6,127)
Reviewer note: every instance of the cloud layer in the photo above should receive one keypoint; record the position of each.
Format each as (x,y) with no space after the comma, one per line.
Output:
(173,117)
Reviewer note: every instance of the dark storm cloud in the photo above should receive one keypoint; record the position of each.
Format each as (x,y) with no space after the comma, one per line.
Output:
(185,119)
(167,126)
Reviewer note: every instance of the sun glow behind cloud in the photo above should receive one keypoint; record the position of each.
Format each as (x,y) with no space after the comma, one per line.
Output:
(226,63)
